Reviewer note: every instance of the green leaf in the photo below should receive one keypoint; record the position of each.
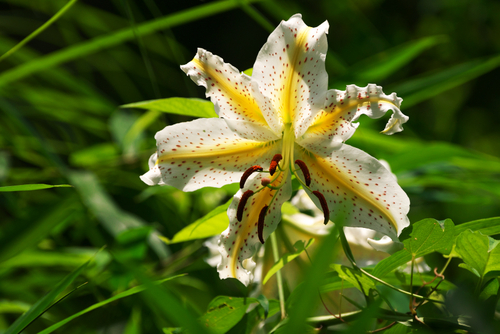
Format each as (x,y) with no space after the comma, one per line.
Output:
(487,226)
(99,43)
(490,289)
(42,304)
(418,90)
(23,236)
(334,283)
(225,312)
(382,65)
(299,246)
(213,223)
(480,253)
(107,211)
(94,155)
(427,236)
(29,187)
(121,295)
(305,298)
(355,277)
(39,30)
(179,106)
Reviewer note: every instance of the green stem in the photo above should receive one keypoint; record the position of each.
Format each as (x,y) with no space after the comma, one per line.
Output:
(279,279)
(350,257)
(39,30)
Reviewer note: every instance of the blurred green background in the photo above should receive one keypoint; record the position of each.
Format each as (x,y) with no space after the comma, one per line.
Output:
(61,123)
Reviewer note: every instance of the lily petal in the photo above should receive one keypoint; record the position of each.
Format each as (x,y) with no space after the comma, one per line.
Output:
(229,90)
(359,186)
(290,69)
(333,125)
(208,153)
(240,240)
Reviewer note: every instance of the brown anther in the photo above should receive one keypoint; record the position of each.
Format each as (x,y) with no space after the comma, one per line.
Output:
(305,171)
(241,205)
(265,181)
(324,206)
(249,172)
(260,227)
(274,163)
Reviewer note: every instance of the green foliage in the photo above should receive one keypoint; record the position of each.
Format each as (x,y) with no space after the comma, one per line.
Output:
(427,236)
(300,246)
(85,86)
(479,253)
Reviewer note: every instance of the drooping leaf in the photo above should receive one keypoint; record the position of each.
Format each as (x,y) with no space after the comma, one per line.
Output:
(480,253)
(179,106)
(426,236)
(213,223)
(300,246)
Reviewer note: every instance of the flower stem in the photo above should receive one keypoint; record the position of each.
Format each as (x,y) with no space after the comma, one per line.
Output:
(279,279)
(350,257)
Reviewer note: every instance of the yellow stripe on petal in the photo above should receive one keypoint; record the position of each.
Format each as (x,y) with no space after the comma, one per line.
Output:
(358,185)
(292,76)
(228,89)
(206,152)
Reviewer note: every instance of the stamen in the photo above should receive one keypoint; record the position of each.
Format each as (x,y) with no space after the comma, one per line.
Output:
(274,163)
(241,205)
(249,172)
(324,206)
(260,227)
(305,171)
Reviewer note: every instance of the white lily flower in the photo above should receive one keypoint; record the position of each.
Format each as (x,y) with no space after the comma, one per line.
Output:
(281,121)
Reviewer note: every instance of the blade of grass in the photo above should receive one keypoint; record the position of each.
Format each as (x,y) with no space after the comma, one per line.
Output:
(29,187)
(102,42)
(418,90)
(42,304)
(121,295)
(39,30)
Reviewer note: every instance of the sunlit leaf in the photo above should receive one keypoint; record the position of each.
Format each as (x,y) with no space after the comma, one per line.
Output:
(213,223)
(29,187)
(480,253)
(487,226)
(178,106)
(426,236)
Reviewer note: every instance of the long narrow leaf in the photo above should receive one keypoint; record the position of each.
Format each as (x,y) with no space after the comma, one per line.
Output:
(121,295)
(102,42)
(41,305)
